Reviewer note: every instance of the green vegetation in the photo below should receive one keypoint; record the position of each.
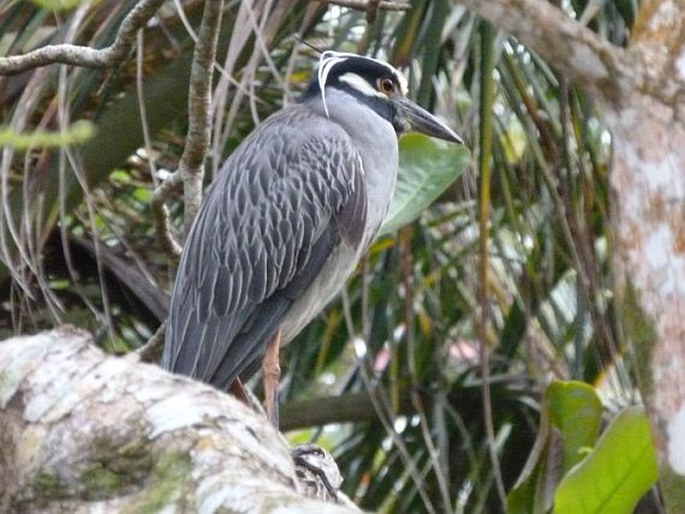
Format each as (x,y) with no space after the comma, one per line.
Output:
(572,471)
(620,469)
(78,133)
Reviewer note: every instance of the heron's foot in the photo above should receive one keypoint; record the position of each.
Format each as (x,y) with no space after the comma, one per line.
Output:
(318,474)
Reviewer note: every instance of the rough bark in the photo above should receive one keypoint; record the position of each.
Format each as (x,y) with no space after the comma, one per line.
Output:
(81,431)
(641,91)
(84,55)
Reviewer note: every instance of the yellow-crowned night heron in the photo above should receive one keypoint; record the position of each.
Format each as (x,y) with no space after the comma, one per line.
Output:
(287,219)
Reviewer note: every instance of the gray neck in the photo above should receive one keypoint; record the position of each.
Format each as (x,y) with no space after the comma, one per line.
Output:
(376,140)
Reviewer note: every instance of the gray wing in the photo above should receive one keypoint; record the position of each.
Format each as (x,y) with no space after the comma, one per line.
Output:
(286,198)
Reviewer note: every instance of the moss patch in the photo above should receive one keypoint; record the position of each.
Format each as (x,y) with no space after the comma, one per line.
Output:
(45,488)
(673,486)
(49,485)
(168,476)
(639,330)
(115,467)
(100,482)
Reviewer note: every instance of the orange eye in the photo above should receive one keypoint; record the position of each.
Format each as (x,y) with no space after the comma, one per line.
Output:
(386,85)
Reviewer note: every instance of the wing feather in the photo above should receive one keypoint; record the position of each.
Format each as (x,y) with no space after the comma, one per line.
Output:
(284,200)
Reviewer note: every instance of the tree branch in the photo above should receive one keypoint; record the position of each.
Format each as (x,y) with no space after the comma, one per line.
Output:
(363,5)
(190,170)
(160,214)
(345,408)
(191,166)
(83,55)
(569,46)
(113,434)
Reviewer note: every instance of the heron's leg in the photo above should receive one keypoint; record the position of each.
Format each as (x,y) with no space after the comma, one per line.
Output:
(271,376)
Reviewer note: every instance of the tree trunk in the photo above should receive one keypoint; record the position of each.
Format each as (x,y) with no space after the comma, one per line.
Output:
(648,182)
(81,431)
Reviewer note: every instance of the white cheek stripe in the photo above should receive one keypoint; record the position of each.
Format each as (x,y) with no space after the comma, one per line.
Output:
(360,84)
(404,87)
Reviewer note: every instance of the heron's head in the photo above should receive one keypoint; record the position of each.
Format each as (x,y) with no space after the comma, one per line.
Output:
(381,88)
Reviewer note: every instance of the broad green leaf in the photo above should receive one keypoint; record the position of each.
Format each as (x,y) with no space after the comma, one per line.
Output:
(427,167)
(620,469)
(570,418)
(576,411)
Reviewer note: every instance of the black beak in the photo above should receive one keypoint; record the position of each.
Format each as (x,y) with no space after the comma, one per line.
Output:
(412,118)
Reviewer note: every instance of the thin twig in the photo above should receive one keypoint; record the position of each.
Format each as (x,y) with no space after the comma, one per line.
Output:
(372,11)
(487,85)
(190,170)
(150,351)
(160,214)
(86,56)
(363,5)
(144,125)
